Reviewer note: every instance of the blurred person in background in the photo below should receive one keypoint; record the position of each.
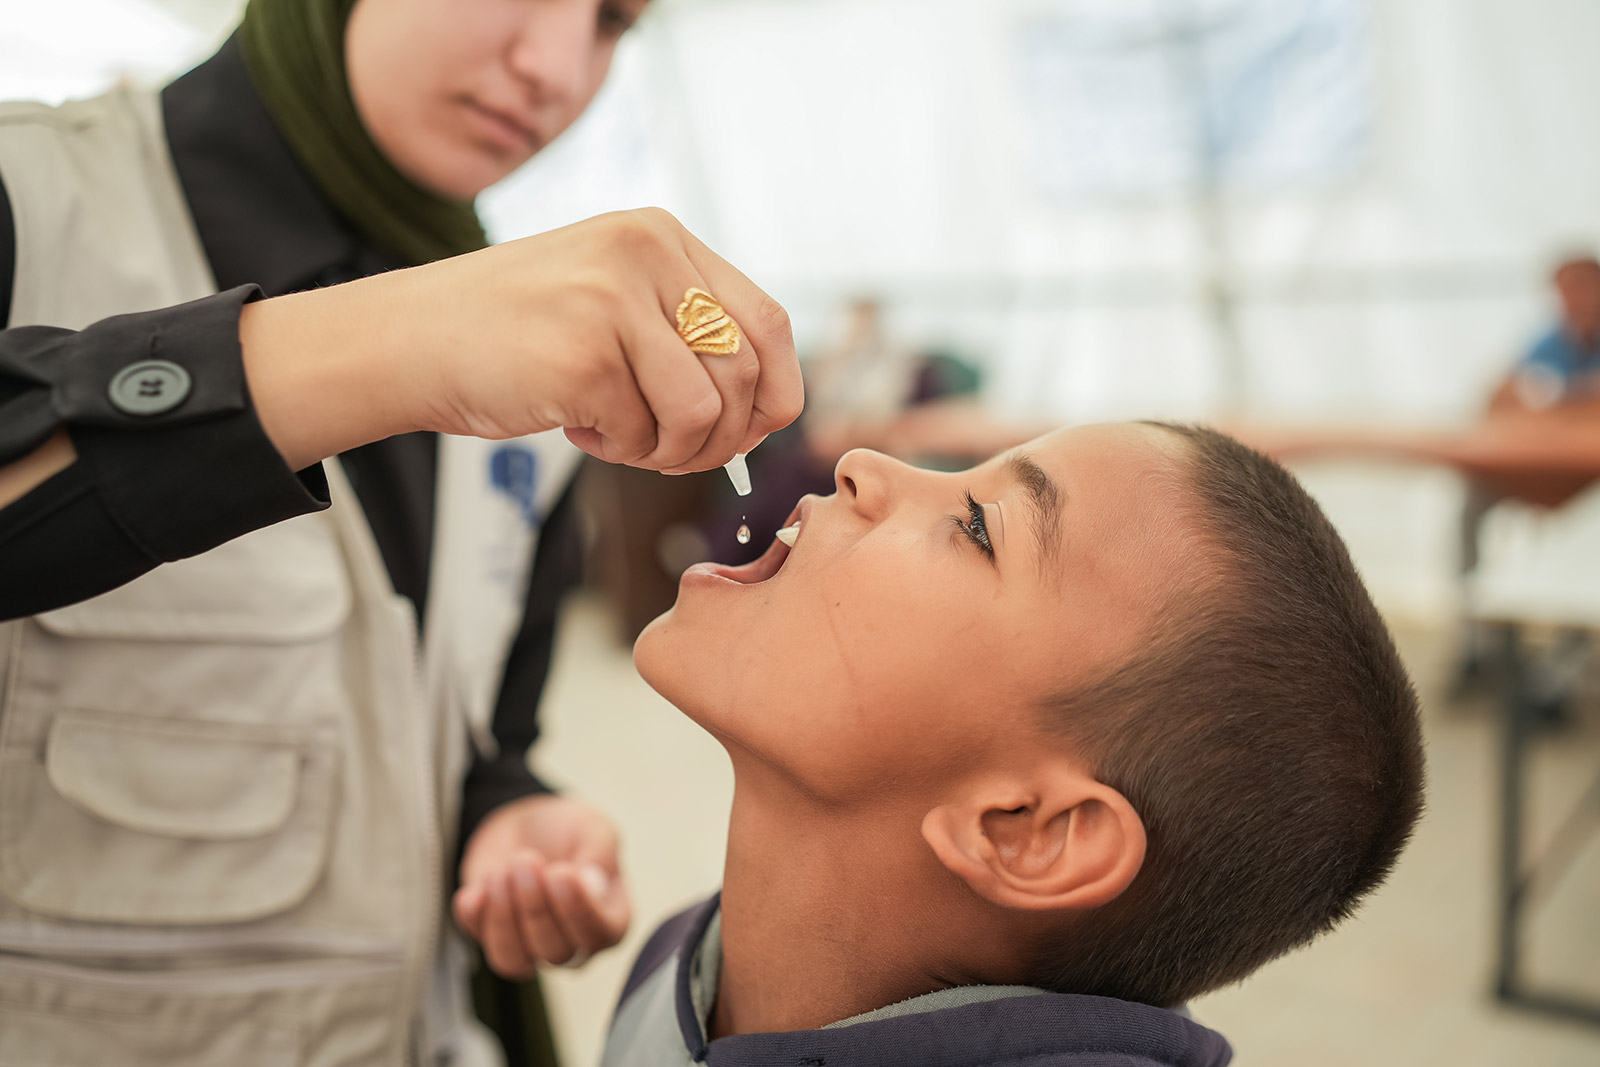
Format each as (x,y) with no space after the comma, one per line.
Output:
(1561,372)
(867,389)
(858,383)
(1556,383)
(237,789)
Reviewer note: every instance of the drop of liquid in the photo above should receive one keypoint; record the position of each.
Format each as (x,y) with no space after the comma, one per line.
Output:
(744,534)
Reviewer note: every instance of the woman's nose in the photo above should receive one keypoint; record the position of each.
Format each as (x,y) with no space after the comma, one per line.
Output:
(554,51)
(866,480)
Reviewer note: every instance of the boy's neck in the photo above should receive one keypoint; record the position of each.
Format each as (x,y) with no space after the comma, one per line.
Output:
(825,916)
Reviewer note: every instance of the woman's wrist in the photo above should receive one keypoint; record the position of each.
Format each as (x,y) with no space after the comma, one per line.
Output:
(21,477)
(327,368)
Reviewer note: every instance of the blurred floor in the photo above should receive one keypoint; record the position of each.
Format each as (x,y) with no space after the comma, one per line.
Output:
(610,738)
(1404,983)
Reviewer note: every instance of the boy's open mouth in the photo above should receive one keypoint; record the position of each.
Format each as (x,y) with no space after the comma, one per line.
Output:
(771,561)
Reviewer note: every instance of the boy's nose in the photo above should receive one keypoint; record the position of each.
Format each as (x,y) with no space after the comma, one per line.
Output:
(865,480)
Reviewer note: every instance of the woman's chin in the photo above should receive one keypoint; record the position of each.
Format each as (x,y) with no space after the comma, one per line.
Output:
(457,171)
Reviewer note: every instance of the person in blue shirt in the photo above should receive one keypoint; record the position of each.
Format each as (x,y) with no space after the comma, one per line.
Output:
(1562,369)
(1558,378)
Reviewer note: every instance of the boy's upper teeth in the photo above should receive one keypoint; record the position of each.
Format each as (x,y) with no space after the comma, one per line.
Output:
(788,534)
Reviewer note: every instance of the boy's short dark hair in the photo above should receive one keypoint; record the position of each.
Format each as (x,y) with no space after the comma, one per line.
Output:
(1268,736)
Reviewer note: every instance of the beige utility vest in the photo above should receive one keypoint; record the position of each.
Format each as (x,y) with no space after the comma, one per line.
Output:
(228,789)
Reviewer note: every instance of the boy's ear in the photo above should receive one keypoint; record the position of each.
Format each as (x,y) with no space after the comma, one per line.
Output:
(1062,841)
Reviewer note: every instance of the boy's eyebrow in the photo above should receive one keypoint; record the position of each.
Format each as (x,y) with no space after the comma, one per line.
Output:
(1046,497)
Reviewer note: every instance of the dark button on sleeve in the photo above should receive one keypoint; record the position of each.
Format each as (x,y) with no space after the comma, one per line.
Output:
(150,387)
(96,376)
(194,468)
(168,443)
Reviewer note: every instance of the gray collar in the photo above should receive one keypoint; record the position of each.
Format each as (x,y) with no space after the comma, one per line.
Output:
(705,972)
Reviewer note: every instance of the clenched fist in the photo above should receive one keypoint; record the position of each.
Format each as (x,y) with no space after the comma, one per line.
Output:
(573,328)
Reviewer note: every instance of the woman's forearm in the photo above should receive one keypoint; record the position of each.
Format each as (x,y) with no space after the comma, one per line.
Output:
(19,478)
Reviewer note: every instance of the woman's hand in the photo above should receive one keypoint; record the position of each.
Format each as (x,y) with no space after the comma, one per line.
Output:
(540,884)
(572,328)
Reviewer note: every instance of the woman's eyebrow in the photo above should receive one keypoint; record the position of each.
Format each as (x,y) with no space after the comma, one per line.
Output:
(1046,499)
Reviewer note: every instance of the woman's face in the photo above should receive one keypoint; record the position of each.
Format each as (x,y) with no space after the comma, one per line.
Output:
(460,93)
(889,645)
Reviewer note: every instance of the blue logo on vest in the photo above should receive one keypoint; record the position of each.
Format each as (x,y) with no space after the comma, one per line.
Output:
(514,470)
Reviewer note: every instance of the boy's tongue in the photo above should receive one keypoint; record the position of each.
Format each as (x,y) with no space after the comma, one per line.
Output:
(770,563)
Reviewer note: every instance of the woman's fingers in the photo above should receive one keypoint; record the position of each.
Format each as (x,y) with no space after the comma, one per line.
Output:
(573,328)
(468,909)
(542,936)
(778,393)
(706,407)
(699,406)
(686,402)
(590,905)
(501,939)
(735,378)
(511,914)
(621,428)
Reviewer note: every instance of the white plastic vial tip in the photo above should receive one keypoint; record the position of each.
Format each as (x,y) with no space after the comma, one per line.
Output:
(738,474)
(789,534)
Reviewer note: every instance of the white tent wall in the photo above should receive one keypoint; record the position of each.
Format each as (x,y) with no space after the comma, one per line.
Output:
(878,146)
(833,147)
(910,148)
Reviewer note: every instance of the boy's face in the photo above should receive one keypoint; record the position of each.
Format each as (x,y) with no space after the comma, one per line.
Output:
(891,652)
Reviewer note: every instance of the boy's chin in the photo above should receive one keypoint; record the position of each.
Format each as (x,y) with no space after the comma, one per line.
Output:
(650,657)
(676,666)
(667,666)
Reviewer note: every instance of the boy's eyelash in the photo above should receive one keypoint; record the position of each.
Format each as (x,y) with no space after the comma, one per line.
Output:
(975,526)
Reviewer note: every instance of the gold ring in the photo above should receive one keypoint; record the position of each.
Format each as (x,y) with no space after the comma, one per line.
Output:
(705,327)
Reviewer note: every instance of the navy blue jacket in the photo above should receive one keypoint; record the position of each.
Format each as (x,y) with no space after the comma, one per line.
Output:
(1044,1030)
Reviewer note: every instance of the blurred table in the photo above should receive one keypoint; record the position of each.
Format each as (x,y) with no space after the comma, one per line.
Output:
(1521,877)
(1540,459)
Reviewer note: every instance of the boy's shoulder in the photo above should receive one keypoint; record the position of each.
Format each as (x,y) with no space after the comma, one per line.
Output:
(669,943)
(660,1020)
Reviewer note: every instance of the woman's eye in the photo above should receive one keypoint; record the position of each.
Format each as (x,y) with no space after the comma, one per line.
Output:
(614,21)
(975,526)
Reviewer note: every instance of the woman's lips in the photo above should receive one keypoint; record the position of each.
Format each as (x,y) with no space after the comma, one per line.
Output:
(504,128)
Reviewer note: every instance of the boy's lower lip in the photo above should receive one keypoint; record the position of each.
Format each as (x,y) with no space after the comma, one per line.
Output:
(731,575)
(758,572)
(713,575)
(707,573)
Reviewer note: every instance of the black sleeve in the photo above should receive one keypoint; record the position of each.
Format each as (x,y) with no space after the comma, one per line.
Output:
(145,488)
(8,256)
(556,567)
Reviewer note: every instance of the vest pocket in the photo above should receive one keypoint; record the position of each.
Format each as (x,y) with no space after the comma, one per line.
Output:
(170,752)
(56,1039)
(189,780)
(146,820)
(264,1014)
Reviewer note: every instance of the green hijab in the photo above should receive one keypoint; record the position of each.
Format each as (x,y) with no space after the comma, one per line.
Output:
(294,50)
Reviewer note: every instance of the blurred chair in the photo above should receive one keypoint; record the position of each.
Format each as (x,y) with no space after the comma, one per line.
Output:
(1538,584)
